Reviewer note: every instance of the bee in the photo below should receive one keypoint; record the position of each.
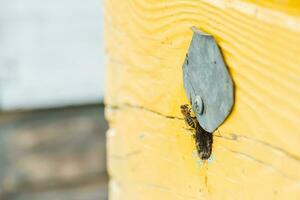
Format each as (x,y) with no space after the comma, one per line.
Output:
(189,120)
(203,139)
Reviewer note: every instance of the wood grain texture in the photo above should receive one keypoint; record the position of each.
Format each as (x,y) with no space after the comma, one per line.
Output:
(257,151)
(159,161)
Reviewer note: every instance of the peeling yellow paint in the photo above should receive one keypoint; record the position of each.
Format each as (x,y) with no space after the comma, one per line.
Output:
(151,154)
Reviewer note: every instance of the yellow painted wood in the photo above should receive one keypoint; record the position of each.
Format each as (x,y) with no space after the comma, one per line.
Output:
(256,152)
(288,6)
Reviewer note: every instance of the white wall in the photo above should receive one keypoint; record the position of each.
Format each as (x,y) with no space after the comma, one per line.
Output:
(51,53)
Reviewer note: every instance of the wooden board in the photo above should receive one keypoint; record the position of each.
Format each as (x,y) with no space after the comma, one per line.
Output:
(255,152)
(53,154)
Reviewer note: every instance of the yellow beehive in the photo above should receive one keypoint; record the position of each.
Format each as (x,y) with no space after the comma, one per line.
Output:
(151,153)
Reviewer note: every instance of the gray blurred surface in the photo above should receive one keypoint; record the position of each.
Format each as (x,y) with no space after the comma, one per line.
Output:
(53,154)
(51,53)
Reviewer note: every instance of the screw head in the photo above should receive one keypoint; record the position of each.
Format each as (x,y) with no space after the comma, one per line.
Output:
(199,105)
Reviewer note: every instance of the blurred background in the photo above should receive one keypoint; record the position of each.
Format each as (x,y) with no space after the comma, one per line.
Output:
(52,127)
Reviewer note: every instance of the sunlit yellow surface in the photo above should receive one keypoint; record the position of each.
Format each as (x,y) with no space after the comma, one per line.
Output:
(256,152)
(288,6)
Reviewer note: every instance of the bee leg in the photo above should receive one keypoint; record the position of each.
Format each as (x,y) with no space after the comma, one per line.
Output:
(194,136)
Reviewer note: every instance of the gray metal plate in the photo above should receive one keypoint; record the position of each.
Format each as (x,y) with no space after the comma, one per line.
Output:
(207,82)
